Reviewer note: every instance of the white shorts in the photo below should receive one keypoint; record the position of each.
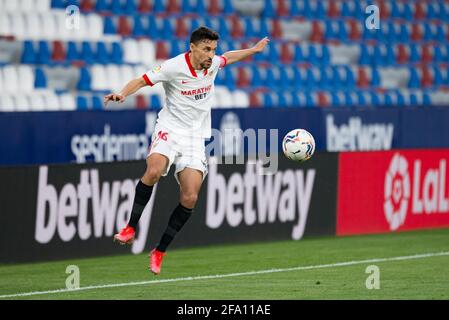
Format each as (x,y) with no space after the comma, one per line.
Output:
(181,150)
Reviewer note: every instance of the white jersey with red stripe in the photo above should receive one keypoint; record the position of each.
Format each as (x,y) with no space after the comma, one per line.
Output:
(188,102)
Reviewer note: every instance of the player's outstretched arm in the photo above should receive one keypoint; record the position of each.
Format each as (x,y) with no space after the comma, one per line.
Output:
(237,55)
(130,88)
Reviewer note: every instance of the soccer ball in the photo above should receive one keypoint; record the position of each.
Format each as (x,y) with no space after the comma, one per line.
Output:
(298,145)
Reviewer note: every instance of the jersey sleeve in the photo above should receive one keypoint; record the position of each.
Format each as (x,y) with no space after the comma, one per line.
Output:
(223,61)
(160,73)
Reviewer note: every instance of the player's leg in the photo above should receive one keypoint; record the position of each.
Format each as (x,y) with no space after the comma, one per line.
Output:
(156,166)
(190,181)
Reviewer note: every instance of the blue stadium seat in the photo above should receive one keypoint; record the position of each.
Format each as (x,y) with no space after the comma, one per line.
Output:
(72,52)
(364,57)
(200,7)
(437,76)
(361,101)
(375,99)
(298,54)
(109,26)
(377,56)
(116,7)
(97,104)
(413,99)
(268,101)
(414,81)
(194,24)
(284,81)
(130,7)
(81,103)
(400,99)
(395,12)
(342,33)
(168,30)
(407,14)
(58,4)
(273,52)
(102,54)
(310,102)
(388,100)
(439,36)
(329,31)
(431,13)
(335,99)
(272,78)
(227,7)
(414,55)
(312,56)
(174,48)
(336,80)
(117,53)
(264,30)
(87,53)
(320,11)
(44,54)
(155,102)
(427,101)
(220,79)
(390,33)
(40,79)
(325,54)
(294,9)
(158,6)
(326,77)
(310,81)
(350,77)
(375,78)
(307,10)
(138,28)
(389,58)
(404,35)
(152,30)
(223,28)
(346,10)
(268,10)
(444,14)
(438,54)
(229,78)
(28,53)
(249,28)
(428,34)
(84,82)
(283,100)
(186,7)
(256,78)
(298,79)
(103,5)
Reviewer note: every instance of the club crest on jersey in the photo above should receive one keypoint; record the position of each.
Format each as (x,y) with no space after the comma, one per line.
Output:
(157,69)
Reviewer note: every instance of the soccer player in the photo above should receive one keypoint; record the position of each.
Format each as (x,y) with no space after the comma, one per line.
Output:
(182,126)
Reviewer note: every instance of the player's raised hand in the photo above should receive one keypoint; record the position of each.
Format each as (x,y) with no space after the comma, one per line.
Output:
(261,44)
(113,97)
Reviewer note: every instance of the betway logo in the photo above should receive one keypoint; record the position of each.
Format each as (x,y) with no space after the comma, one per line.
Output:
(66,212)
(233,199)
(427,190)
(358,136)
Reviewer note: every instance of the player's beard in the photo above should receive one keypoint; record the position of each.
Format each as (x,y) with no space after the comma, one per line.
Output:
(207,64)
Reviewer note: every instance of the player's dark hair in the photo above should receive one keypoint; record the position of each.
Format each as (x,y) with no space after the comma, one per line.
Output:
(203,33)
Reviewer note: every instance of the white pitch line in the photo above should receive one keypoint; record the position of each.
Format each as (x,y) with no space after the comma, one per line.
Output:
(219,276)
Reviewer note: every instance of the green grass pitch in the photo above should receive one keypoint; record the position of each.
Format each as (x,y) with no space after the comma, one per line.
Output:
(419,278)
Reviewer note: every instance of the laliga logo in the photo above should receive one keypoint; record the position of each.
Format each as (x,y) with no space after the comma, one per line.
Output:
(397,191)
